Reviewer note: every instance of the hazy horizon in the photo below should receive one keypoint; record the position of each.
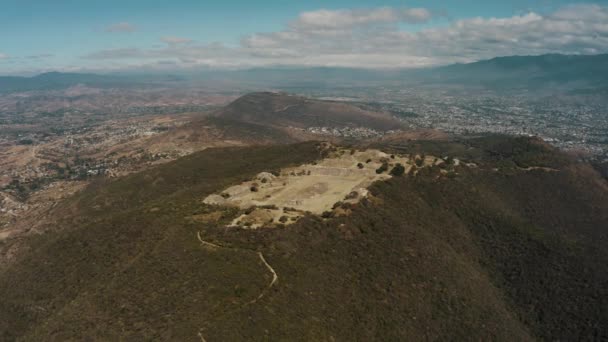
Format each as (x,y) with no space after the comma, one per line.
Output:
(39,36)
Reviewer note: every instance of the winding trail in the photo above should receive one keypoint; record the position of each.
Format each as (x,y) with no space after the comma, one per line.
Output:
(532,168)
(275,277)
(286,108)
(205,243)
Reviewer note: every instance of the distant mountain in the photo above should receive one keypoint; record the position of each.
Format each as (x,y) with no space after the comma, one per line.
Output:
(51,81)
(256,78)
(571,72)
(527,71)
(61,80)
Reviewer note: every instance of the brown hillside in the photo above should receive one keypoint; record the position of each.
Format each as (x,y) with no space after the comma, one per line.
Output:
(511,249)
(276,109)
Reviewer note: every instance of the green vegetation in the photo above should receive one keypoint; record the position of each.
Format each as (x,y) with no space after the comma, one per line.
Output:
(485,255)
(602,168)
(383,168)
(25,142)
(398,170)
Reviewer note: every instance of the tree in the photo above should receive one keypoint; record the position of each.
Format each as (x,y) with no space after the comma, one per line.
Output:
(382,168)
(398,170)
(327,214)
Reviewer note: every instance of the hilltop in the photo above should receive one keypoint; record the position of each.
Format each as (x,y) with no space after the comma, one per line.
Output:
(274,118)
(283,110)
(493,249)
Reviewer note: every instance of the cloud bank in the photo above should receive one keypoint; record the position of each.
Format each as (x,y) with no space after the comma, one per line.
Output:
(376,38)
(121,27)
(345,19)
(175,40)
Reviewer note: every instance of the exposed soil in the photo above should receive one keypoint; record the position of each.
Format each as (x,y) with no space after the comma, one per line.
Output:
(314,188)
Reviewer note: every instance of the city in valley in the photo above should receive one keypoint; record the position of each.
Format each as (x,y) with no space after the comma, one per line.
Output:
(332,170)
(54,142)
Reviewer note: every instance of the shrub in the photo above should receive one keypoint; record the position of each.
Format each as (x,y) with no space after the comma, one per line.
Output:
(352,195)
(398,170)
(382,168)
(327,214)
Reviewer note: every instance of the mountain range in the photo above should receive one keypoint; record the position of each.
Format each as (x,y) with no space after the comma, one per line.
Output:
(586,72)
(529,71)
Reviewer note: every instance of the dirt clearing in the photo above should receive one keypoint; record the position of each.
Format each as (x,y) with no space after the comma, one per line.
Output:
(285,196)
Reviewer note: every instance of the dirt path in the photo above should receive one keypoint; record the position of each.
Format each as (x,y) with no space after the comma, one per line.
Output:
(286,108)
(531,168)
(205,243)
(275,277)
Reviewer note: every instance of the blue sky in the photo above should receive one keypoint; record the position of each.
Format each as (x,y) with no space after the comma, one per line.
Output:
(42,35)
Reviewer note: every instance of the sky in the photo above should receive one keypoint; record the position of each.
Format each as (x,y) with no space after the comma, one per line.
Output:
(109,36)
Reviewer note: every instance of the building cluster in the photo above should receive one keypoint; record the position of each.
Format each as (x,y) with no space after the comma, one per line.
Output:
(346,132)
(570,122)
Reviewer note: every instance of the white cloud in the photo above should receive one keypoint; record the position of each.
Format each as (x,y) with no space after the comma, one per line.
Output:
(40,56)
(122,53)
(175,40)
(121,27)
(372,38)
(344,19)
(3,56)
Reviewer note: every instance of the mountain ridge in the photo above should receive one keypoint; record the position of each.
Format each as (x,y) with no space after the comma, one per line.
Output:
(480,254)
(497,72)
(284,110)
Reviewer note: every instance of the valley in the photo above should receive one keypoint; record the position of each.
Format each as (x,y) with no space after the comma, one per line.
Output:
(349,219)
(98,144)
(330,171)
